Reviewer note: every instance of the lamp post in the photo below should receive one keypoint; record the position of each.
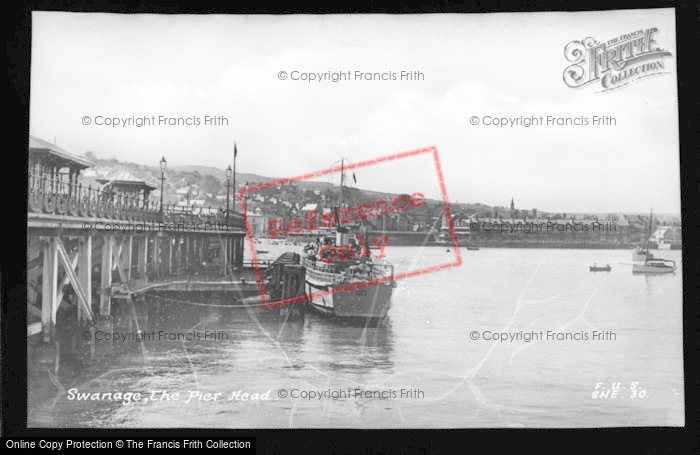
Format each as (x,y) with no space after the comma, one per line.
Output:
(229,172)
(235,153)
(187,196)
(163,165)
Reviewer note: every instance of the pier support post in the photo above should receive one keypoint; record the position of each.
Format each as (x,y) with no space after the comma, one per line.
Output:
(239,252)
(234,252)
(224,255)
(152,254)
(106,283)
(231,250)
(49,303)
(170,255)
(103,321)
(127,245)
(85,272)
(81,350)
(179,254)
(142,257)
(47,352)
(162,255)
(161,259)
(187,253)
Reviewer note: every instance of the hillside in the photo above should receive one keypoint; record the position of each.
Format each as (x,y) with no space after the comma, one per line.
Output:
(209,182)
(207,179)
(241,177)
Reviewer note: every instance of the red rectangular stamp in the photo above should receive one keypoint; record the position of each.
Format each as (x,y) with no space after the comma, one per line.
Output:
(346,272)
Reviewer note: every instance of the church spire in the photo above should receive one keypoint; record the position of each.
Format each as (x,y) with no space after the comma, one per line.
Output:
(512,203)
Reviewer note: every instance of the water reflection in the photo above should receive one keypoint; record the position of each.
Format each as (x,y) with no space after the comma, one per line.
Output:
(352,348)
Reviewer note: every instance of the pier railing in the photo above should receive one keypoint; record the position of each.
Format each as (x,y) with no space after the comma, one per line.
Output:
(53,196)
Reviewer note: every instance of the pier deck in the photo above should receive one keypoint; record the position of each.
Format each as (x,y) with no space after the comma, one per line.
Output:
(244,281)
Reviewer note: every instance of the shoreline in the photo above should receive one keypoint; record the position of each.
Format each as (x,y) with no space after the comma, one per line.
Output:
(561,246)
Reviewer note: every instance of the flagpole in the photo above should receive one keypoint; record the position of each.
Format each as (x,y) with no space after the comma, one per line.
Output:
(235,152)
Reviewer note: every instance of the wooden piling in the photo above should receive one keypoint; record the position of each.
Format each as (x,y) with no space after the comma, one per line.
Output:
(106,283)
(290,284)
(127,245)
(179,254)
(48,294)
(170,255)
(85,273)
(142,257)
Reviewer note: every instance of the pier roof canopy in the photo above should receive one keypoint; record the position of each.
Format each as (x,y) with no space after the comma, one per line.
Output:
(55,155)
(126,180)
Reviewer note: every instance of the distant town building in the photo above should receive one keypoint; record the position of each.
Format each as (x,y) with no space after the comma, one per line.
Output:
(258,223)
(667,237)
(309,208)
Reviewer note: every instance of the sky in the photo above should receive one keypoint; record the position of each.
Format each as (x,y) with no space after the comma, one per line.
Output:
(500,65)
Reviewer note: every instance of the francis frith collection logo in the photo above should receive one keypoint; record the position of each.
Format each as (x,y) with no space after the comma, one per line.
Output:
(614,63)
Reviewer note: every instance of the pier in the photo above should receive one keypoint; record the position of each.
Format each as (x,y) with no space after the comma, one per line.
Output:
(93,252)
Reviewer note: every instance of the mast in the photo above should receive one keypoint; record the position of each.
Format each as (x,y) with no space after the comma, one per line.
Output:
(341,237)
(651,217)
(342,181)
